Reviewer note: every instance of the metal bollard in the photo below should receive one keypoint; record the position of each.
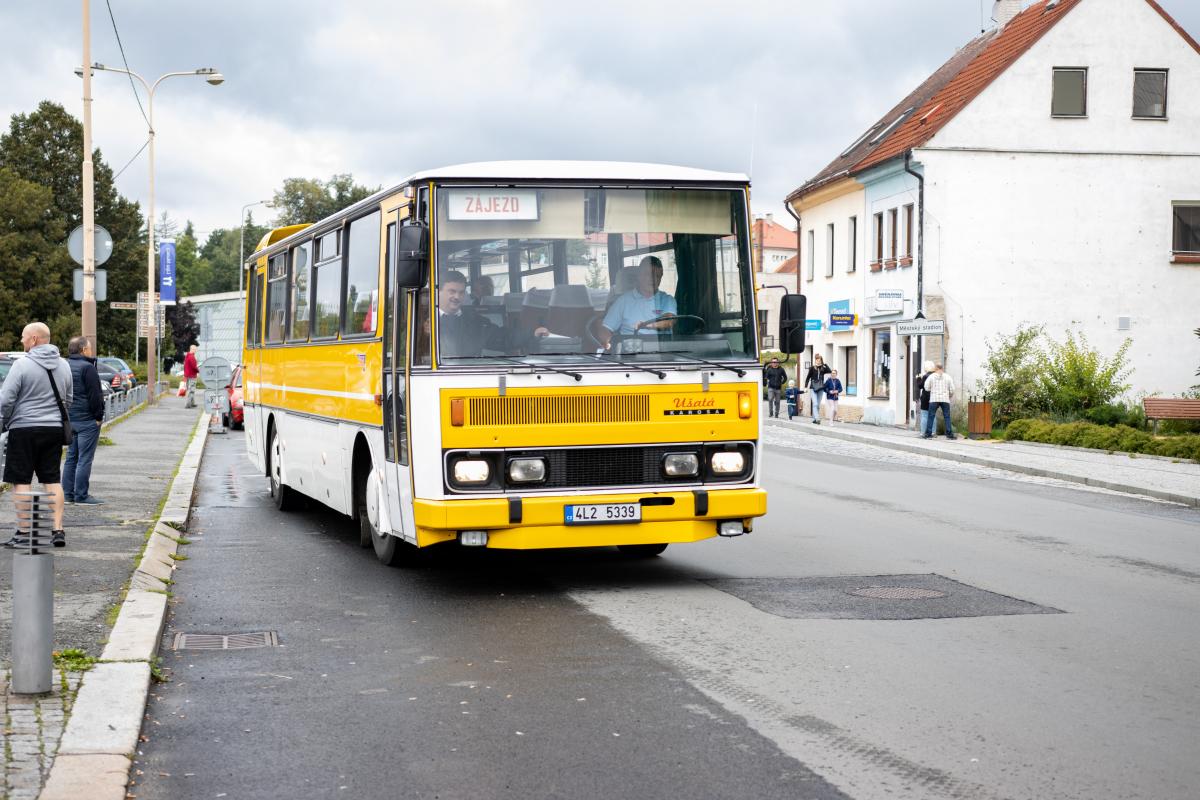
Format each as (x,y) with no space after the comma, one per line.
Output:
(33,596)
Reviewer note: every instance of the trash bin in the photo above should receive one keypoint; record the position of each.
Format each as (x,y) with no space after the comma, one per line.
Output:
(979,418)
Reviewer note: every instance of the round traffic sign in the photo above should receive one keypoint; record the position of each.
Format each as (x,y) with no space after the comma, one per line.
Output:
(102,239)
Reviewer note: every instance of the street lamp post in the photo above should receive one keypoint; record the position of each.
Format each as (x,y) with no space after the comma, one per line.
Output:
(242,242)
(215,78)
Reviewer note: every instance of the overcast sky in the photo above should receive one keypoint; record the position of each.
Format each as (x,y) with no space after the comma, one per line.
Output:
(381,89)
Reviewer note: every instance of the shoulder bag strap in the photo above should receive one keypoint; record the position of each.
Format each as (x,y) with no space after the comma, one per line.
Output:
(62,408)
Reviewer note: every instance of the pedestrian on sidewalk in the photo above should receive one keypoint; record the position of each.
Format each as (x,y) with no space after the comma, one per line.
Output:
(33,409)
(922,396)
(833,391)
(191,371)
(86,412)
(941,391)
(815,382)
(792,395)
(774,377)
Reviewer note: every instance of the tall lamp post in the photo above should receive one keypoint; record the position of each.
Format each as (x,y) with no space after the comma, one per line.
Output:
(242,242)
(215,78)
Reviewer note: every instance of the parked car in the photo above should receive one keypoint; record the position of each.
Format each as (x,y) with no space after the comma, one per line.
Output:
(120,366)
(6,363)
(109,377)
(236,418)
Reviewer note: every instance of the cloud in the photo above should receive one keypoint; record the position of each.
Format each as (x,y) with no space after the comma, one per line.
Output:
(382,89)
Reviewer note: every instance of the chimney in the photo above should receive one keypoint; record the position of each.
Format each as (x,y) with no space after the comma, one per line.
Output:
(770,216)
(1004,10)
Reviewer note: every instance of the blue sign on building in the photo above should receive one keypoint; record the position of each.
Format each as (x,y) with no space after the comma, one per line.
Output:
(812,324)
(166,272)
(840,318)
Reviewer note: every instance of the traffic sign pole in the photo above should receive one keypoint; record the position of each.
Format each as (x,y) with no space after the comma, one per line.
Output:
(88,309)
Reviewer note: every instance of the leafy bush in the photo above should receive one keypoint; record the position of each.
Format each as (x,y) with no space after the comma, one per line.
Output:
(1013,372)
(1076,378)
(1120,438)
(1116,414)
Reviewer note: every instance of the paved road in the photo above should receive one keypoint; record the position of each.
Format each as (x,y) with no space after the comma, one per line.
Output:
(1053,654)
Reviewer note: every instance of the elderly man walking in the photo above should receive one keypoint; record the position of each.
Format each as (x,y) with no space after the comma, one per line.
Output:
(33,406)
(86,413)
(941,391)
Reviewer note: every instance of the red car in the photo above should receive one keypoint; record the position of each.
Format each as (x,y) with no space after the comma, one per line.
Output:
(235,419)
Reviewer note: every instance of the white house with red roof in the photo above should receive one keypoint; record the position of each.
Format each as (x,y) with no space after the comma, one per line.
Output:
(1048,173)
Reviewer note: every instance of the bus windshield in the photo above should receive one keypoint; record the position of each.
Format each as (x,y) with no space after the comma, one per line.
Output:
(570,275)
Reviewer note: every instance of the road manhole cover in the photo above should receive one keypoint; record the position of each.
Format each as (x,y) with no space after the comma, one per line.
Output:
(224,641)
(896,593)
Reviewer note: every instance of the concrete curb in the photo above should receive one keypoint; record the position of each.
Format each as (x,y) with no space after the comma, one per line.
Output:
(94,756)
(979,461)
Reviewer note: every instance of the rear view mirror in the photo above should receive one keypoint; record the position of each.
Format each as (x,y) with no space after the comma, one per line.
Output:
(412,256)
(792,311)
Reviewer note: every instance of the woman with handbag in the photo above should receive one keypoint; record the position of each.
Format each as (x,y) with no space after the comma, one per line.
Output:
(815,381)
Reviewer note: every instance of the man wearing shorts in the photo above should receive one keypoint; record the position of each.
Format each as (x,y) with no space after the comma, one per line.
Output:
(29,411)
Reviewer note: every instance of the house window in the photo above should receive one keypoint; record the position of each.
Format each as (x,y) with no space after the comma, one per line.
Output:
(1070,92)
(877,249)
(893,214)
(1185,239)
(907,240)
(881,363)
(850,369)
(766,340)
(812,246)
(852,245)
(829,246)
(1150,93)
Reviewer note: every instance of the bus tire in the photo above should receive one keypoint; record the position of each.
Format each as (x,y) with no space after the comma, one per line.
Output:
(641,550)
(284,496)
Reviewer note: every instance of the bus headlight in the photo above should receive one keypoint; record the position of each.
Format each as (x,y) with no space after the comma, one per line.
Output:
(527,470)
(728,462)
(681,465)
(472,471)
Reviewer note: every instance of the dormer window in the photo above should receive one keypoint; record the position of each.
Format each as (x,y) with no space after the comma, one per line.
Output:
(1150,94)
(1070,92)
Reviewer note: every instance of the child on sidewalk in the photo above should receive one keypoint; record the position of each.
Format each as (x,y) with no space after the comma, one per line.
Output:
(792,395)
(833,390)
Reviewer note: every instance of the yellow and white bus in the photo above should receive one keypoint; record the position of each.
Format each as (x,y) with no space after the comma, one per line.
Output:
(514,355)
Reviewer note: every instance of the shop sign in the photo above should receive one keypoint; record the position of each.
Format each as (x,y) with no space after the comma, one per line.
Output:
(889,300)
(840,318)
(812,324)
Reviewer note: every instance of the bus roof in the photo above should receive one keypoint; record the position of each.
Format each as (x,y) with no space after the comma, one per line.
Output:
(578,170)
(598,171)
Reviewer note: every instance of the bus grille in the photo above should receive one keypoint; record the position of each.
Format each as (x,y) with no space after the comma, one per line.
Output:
(560,410)
(569,468)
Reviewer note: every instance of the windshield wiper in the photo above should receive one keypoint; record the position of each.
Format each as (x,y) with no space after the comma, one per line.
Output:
(741,373)
(627,365)
(576,375)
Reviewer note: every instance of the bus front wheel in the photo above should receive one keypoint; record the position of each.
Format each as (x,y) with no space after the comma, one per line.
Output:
(285,498)
(390,550)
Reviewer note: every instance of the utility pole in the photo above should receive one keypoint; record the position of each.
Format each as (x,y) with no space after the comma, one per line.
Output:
(88,310)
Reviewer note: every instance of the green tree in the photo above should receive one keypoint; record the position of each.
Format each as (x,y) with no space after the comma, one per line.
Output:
(193,273)
(222,251)
(1012,374)
(1076,377)
(183,330)
(44,148)
(312,199)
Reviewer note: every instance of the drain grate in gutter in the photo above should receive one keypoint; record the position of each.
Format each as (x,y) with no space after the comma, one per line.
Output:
(224,641)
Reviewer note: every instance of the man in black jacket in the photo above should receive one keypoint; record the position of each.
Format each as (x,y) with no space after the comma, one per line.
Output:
(774,378)
(462,331)
(86,413)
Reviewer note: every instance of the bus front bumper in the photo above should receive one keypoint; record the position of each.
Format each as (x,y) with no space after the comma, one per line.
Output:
(538,522)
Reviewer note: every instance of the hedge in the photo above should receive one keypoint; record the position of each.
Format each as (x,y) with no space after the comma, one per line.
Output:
(1100,437)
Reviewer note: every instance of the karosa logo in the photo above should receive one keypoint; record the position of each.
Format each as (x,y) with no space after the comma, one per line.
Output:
(695,402)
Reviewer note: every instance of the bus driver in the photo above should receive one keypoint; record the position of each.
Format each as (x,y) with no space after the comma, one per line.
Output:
(641,309)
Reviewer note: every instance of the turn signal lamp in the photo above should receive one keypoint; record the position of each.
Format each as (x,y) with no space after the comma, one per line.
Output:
(744,406)
(457,412)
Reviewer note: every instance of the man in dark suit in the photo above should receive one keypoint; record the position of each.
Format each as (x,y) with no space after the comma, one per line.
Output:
(461,330)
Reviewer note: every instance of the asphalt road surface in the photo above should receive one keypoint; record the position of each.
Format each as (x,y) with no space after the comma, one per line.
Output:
(889,630)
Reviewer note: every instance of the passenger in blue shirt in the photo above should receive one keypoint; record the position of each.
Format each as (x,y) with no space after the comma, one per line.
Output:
(640,310)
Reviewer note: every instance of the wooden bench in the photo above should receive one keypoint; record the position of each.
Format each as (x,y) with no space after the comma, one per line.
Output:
(1158,408)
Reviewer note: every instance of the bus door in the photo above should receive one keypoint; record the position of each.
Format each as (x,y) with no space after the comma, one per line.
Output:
(252,366)
(397,478)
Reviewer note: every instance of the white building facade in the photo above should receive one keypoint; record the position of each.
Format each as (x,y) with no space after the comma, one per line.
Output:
(1065,193)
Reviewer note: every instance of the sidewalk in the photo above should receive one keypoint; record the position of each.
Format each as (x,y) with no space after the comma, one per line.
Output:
(132,476)
(1160,478)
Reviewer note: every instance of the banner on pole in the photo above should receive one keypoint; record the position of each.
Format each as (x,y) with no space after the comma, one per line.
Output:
(166,271)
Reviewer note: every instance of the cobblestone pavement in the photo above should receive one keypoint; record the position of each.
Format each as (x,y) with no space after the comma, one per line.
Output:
(32,727)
